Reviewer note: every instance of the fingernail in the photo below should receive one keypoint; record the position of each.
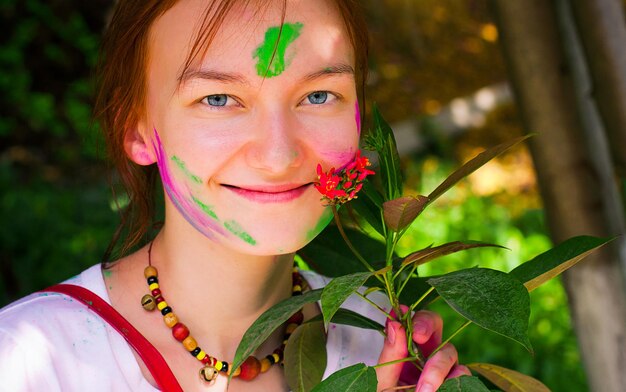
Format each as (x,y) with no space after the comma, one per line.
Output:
(426,388)
(419,328)
(391,333)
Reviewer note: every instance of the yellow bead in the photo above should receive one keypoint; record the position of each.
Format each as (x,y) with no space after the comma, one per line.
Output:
(297,287)
(237,372)
(170,319)
(276,358)
(290,328)
(161,305)
(200,355)
(265,365)
(150,271)
(219,365)
(190,343)
(153,286)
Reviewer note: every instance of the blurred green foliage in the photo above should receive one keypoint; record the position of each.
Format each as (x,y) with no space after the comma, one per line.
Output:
(55,201)
(55,218)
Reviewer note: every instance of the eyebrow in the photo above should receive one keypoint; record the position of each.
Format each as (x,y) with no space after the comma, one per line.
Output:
(337,69)
(207,74)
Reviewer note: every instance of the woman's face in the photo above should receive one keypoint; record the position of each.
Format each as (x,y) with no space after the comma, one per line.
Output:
(237,137)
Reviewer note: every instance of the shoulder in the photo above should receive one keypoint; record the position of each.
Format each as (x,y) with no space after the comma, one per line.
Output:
(49,341)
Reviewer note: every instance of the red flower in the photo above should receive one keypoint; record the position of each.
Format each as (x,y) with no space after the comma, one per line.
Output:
(341,187)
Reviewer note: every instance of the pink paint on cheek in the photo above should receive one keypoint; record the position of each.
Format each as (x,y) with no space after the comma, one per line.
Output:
(183,202)
(339,159)
(357,117)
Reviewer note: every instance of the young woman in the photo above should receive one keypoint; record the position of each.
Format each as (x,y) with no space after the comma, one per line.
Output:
(234,103)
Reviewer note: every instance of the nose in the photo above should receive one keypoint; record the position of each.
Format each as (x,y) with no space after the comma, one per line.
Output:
(277,145)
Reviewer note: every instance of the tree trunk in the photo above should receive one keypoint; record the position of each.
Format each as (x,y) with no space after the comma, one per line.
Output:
(604,42)
(569,180)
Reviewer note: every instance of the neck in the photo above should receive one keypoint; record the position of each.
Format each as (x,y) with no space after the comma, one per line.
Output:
(216,291)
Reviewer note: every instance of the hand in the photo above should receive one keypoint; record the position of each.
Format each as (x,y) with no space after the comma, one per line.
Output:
(427,332)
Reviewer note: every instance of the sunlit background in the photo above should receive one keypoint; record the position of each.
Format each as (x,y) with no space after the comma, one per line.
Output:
(436,73)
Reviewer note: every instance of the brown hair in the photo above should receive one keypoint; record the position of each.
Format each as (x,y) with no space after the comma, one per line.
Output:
(121,92)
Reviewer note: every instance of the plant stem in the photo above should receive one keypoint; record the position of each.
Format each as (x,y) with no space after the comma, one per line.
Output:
(407,359)
(345,238)
(374,304)
(406,280)
(462,327)
(422,298)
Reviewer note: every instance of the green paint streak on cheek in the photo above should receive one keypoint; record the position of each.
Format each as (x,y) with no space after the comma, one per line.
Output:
(236,229)
(107,274)
(181,165)
(271,54)
(205,208)
(325,219)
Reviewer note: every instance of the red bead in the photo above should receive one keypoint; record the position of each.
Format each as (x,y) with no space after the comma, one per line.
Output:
(206,360)
(156,292)
(180,331)
(250,368)
(297,318)
(159,299)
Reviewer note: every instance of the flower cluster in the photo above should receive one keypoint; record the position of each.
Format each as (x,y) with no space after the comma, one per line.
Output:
(342,186)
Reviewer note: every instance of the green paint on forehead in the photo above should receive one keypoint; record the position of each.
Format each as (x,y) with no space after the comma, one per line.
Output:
(181,165)
(205,208)
(236,229)
(325,219)
(271,54)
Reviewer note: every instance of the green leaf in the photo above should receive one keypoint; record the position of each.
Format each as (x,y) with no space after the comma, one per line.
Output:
(267,323)
(474,164)
(401,212)
(463,384)
(492,299)
(385,144)
(425,255)
(368,207)
(348,317)
(305,357)
(507,379)
(328,254)
(338,290)
(549,264)
(355,378)
(372,194)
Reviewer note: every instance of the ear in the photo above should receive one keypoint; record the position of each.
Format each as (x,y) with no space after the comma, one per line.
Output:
(138,147)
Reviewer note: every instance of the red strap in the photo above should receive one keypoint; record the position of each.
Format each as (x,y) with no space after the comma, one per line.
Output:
(150,356)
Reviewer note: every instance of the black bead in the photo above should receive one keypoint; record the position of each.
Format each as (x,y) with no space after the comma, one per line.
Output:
(224,367)
(195,351)
(166,310)
(152,279)
(271,359)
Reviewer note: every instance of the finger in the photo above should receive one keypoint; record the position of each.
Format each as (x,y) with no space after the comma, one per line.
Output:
(437,369)
(427,330)
(395,347)
(459,370)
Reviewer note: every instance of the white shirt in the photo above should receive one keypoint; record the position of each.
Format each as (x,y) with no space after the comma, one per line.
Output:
(51,342)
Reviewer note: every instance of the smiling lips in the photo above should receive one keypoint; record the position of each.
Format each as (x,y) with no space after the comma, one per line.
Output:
(270,194)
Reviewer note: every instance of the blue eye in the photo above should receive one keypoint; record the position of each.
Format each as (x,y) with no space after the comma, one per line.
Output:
(217,99)
(318,97)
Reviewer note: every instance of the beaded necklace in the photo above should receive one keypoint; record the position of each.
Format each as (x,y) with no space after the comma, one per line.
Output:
(251,367)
